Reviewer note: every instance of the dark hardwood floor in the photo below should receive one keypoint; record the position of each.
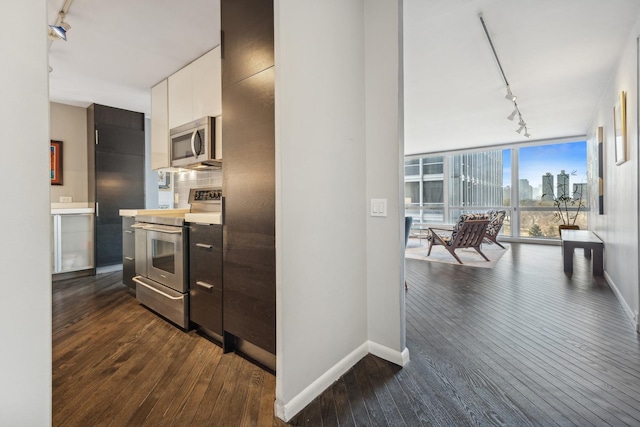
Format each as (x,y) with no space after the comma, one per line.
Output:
(519,344)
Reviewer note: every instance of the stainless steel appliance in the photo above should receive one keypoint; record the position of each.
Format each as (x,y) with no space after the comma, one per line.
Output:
(162,276)
(197,144)
(161,260)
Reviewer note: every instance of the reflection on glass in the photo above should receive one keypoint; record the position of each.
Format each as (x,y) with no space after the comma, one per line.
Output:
(164,256)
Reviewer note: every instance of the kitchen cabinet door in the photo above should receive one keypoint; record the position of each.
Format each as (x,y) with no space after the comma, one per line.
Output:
(195,90)
(207,85)
(181,97)
(247,38)
(119,184)
(72,242)
(160,125)
(249,228)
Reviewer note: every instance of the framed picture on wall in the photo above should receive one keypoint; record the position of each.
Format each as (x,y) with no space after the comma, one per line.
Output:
(56,162)
(620,128)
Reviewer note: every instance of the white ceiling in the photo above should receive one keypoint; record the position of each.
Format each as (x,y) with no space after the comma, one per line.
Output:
(558,56)
(117,49)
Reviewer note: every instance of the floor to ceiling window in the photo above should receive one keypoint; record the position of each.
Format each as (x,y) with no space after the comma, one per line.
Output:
(552,188)
(529,182)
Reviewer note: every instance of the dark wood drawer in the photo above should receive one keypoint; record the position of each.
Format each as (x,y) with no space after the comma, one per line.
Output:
(205,271)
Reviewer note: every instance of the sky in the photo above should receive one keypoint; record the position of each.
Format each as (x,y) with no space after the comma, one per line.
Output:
(537,161)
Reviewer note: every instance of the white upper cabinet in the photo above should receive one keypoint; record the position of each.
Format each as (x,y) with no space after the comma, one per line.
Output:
(160,126)
(195,91)
(207,87)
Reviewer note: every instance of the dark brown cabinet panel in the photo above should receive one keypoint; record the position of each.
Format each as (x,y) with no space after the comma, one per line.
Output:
(116,175)
(249,189)
(205,270)
(117,117)
(247,39)
(248,132)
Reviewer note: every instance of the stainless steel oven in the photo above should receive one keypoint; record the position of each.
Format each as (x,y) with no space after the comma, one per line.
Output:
(161,281)
(165,256)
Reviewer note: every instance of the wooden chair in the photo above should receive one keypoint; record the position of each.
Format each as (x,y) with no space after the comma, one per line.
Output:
(469,232)
(496,219)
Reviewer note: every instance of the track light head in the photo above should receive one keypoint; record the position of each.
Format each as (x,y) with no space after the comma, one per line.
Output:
(526,133)
(520,128)
(59,31)
(512,115)
(510,96)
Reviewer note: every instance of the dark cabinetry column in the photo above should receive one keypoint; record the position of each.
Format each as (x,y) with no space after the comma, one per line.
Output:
(248,134)
(116,174)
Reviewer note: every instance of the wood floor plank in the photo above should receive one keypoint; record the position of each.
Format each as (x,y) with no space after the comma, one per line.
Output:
(521,344)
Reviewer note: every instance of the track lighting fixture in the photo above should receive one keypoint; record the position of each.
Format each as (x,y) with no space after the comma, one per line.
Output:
(60,28)
(510,96)
(60,31)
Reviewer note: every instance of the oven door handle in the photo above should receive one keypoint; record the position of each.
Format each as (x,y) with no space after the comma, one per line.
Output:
(162,230)
(140,282)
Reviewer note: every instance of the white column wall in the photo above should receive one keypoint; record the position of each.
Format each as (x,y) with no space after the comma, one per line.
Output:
(618,227)
(323,99)
(385,178)
(25,276)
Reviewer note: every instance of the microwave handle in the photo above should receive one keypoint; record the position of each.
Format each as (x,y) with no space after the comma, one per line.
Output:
(193,143)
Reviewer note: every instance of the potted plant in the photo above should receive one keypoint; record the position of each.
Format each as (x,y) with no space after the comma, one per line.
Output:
(565,201)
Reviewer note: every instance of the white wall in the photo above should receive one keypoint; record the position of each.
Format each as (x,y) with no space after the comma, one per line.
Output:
(25,279)
(385,178)
(618,227)
(69,125)
(323,161)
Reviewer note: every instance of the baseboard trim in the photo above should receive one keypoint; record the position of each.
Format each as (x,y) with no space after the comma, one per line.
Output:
(623,303)
(386,353)
(108,268)
(286,411)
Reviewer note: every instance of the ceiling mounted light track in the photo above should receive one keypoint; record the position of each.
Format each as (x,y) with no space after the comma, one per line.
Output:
(510,96)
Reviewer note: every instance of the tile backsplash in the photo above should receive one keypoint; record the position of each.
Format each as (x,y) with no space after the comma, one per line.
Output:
(184,181)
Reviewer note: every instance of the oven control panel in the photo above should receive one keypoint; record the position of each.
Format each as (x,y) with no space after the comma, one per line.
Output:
(205,195)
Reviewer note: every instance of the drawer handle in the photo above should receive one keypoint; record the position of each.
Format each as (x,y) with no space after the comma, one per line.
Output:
(203,245)
(128,258)
(204,285)
(128,231)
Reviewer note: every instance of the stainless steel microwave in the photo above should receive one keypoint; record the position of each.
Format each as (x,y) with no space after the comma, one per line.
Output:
(197,144)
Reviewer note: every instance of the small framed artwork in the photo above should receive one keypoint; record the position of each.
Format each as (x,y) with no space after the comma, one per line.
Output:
(56,162)
(620,128)
(164,180)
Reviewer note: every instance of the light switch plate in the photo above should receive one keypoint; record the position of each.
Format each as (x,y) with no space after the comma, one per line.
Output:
(378,207)
(66,199)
